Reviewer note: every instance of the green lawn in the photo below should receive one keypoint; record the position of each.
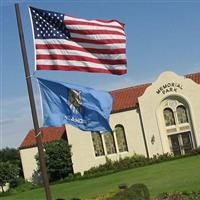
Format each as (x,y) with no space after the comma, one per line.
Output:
(178,175)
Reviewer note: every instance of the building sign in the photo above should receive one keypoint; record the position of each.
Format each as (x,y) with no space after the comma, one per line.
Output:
(169,87)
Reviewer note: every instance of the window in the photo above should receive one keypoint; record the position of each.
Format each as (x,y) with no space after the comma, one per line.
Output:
(98,144)
(169,117)
(109,142)
(121,139)
(181,114)
(178,128)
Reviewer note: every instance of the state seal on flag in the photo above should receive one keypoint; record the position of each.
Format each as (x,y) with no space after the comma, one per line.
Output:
(74,98)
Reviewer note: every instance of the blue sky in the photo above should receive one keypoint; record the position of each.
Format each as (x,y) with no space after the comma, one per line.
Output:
(161,35)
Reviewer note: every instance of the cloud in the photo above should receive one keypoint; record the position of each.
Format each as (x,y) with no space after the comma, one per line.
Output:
(121,83)
(16,120)
(7,121)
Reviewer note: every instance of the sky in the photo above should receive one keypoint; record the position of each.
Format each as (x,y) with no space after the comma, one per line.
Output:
(161,36)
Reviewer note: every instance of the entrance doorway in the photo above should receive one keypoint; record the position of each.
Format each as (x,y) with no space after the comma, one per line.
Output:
(181,143)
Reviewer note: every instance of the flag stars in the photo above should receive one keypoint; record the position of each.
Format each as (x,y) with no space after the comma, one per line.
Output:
(49,25)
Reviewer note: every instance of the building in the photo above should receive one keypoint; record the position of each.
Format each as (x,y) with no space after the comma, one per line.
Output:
(146,119)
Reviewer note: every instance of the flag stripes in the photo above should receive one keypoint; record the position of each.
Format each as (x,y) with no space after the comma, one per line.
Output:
(88,27)
(106,41)
(96,36)
(83,47)
(81,58)
(42,52)
(78,63)
(93,32)
(81,69)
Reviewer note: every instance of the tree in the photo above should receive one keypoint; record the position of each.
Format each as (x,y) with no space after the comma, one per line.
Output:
(58,159)
(12,156)
(8,173)
(9,154)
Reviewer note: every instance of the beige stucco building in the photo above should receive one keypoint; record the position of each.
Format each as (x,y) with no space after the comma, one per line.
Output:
(146,119)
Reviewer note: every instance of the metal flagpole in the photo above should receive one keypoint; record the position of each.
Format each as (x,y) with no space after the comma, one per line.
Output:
(32,103)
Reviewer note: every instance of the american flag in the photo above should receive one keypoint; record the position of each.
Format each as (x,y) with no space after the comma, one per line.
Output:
(69,43)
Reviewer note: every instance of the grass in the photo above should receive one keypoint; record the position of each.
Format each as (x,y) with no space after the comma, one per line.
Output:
(169,176)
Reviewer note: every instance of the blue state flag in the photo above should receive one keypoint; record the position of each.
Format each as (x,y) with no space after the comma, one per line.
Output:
(82,107)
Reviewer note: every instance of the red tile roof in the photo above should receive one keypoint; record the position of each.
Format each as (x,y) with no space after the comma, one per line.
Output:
(127,98)
(195,77)
(48,135)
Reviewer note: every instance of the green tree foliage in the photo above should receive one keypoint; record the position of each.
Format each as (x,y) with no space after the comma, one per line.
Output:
(8,173)
(9,154)
(58,159)
(12,156)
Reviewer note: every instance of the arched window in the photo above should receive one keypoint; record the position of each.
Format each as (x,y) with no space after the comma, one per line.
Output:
(98,144)
(181,114)
(169,117)
(109,142)
(121,139)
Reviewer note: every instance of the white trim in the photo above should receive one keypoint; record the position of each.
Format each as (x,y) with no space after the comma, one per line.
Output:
(104,145)
(33,37)
(115,141)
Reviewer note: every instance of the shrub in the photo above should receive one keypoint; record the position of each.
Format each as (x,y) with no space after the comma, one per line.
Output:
(192,195)
(179,196)
(132,162)
(77,175)
(24,187)
(135,192)
(173,196)
(60,199)
(122,186)
(15,183)
(114,166)
(37,178)
(195,151)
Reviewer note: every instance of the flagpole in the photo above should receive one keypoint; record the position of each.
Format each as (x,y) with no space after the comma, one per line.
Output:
(32,104)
